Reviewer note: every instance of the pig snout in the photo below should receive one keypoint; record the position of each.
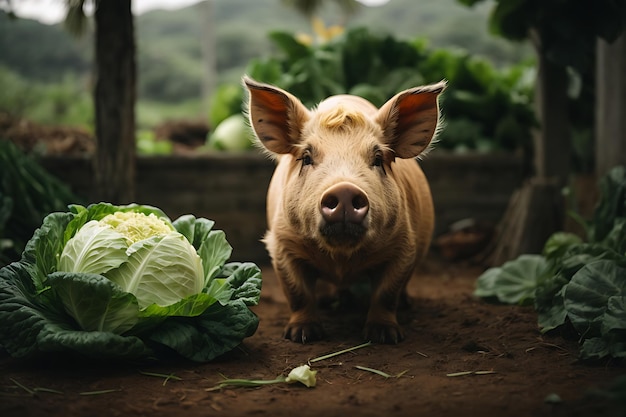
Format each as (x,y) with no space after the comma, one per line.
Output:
(344,208)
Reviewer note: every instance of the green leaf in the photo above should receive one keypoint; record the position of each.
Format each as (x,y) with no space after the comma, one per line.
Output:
(549,302)
(290,45)
(214,252)
(194,229)
(615,315)
(160,270)
(559,243)
(245,279)
(191,306)
(99,345)
(587,294)
(21,319)
(94,249)
(96,303)
(217,331)
(594,348)
(44,248)
(513,283)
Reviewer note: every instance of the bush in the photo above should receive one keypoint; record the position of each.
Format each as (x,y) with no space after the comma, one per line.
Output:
(485,109)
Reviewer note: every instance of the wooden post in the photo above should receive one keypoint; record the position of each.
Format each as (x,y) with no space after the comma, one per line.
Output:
(537,209)
(610,105)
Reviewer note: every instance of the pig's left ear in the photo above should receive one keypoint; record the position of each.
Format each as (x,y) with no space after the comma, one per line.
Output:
(276,116)
(409,119)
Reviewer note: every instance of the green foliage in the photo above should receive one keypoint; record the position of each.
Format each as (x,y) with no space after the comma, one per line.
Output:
(147,144)
(63,103)
(483,108)
(82,286)
(568,28)
(27,194)
(576,282)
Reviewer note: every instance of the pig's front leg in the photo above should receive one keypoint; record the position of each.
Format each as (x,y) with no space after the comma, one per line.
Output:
(387,290)
(298,283)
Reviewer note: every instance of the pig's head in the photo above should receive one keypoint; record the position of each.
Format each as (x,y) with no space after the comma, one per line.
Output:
(340,190)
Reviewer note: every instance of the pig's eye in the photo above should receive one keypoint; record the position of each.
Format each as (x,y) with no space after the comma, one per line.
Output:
(306,159)
(379,161)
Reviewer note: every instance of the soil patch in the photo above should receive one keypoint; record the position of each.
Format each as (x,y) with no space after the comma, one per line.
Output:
(448,332)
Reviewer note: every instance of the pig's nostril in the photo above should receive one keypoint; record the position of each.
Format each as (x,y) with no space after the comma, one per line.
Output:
(330,201)
(359,202)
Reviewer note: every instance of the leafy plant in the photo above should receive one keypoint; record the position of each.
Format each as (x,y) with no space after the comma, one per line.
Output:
(27,193)
(484,108)
(125,282)
(576,282)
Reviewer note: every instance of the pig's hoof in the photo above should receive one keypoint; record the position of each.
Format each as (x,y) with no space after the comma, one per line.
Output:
(303,332)
(383,333)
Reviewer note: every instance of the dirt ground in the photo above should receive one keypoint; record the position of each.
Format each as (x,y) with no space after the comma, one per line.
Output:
(448,331)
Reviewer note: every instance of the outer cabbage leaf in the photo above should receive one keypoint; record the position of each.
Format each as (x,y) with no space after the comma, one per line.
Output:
(214,251)
(45,246)
(95,302)
(100,345)
(20,319)
(217,331)
(191,306)
(245,279)
(160,270)
(194,229)
(94,249)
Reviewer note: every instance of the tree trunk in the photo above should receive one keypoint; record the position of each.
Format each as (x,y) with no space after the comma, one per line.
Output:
(610,105)
(114,102)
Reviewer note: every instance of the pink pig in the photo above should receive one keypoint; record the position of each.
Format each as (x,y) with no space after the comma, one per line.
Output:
(347,201)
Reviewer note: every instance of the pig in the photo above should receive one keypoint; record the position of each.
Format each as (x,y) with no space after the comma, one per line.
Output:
(347,200)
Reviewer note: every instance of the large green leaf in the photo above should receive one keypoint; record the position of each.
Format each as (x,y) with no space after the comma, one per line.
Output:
(95,302)
(220,329)
(587,295)
(513,283)
(20,319)
(160,270)
(191,306)
(44,248)
(98,345)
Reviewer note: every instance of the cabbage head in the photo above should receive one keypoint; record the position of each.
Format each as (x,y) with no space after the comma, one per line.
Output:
(126,282)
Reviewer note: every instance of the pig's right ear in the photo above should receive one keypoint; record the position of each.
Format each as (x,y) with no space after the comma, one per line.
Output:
(409,119)
(275,115)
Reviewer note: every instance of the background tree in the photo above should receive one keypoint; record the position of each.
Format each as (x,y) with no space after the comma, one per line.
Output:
(114,95)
